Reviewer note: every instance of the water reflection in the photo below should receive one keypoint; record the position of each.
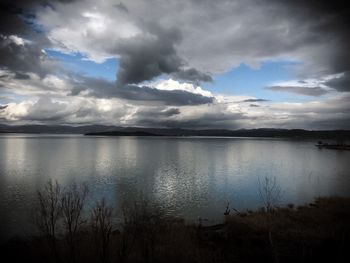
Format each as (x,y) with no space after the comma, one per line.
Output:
(192,177)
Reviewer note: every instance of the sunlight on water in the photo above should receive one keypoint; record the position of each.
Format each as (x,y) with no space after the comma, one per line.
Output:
(191,177)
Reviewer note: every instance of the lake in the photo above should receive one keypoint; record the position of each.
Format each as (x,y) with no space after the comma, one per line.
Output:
(192,177)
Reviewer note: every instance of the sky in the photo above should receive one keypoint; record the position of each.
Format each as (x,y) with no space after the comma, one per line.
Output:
(196,64)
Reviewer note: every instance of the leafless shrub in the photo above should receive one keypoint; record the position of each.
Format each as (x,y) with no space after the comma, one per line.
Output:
(142,221)
(48,213)
(269,192)
(72,204)
(127,236)
(101,222)
(227,211)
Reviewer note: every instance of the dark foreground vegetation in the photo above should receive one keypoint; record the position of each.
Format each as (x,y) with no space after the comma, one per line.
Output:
(68,232)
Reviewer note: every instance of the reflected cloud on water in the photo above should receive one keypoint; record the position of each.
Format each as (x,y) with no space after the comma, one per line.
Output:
(191,177)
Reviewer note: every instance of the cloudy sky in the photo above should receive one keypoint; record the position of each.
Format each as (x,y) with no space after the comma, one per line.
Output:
(175,63)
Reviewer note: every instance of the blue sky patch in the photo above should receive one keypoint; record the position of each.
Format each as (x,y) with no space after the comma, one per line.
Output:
(242,80)
(78,63)
(245,80)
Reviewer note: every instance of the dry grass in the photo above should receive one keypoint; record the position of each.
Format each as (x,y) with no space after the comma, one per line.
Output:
(310,233)
(313,232)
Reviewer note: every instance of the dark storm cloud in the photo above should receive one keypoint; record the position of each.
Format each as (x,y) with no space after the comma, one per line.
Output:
(155,113)
(307,91)
(145,57)
(23,58)
(17,16)
(101,88)
(168,97)
(192,75)
(332,123)
(142,58)
(212,120)
(22,76)
(328,21)
(255,100)
(13,23)
(171,112)
(17,20)
(189,40)
(3,107)
(29,5)
(341,83)
(122,7)
(330,15)
(87,112)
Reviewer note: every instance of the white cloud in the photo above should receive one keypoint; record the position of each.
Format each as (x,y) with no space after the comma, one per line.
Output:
(308,82)
(214,37)
(89,27)
(15,111)
(171,84)
(184,39)
(18,40)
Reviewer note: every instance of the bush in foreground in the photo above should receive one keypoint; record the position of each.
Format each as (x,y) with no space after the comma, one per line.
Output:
(311,233)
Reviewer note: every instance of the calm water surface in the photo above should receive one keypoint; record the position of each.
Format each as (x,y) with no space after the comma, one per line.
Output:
(192,177)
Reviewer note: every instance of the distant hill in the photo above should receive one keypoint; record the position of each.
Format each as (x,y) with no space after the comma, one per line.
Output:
(104,130)
(271,133)
(54,129)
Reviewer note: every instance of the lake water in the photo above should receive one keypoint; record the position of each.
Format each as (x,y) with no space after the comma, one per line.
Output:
(191,176)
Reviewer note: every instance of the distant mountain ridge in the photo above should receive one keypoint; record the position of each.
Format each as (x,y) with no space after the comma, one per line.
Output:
(54,129)
(105,130)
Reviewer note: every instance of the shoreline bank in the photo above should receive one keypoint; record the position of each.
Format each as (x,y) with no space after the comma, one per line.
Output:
(308,233)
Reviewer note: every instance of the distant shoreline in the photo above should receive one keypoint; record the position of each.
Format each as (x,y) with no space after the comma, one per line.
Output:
(101,130)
